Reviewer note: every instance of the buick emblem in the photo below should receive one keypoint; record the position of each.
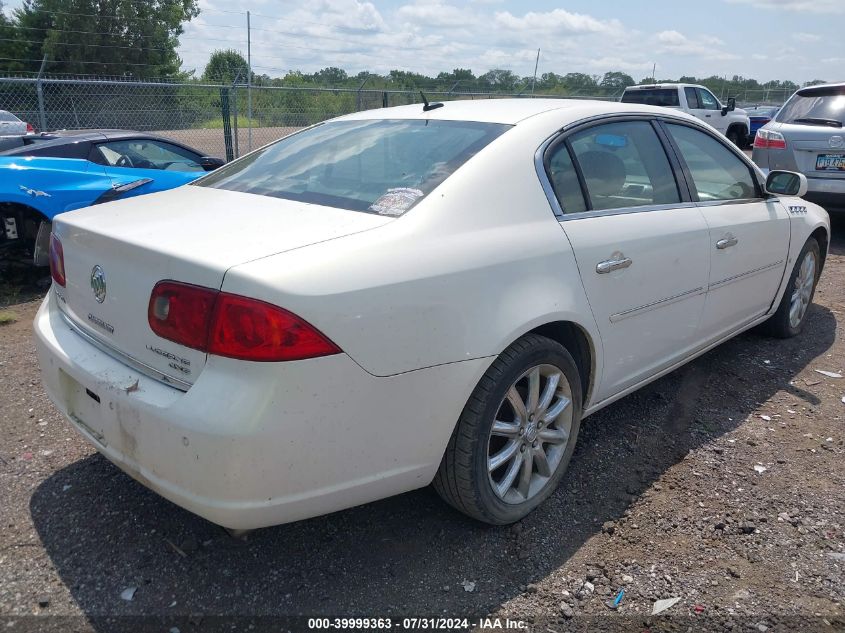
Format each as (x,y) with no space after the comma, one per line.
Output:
(98,283)
(837,141)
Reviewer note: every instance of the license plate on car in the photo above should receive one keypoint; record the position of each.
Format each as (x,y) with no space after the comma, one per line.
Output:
(830,162)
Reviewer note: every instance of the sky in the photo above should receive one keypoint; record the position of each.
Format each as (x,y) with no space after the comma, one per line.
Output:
(799,40)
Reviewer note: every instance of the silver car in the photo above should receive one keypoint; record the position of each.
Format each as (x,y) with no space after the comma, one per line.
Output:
(807,136)
(10,125)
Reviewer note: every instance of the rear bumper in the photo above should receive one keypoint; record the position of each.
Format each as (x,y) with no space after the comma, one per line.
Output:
(827,192)
(257,444)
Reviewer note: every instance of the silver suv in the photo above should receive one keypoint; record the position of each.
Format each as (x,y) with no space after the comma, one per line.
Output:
(807,136)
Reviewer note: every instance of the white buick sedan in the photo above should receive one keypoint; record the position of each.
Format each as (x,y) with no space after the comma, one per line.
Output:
(413,295)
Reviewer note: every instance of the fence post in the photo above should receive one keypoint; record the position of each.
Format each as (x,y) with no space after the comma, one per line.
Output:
(235,119)
(39,90)
(384,102)
(227,122)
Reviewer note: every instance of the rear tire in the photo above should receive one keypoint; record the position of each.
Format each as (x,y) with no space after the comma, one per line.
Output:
(792,311)
(499,473)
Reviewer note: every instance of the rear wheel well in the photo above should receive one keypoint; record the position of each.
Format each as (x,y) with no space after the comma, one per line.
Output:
(577,343)
(28,218)
(820,235)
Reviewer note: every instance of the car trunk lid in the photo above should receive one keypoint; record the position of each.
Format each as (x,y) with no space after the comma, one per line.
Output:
(819,150)
(114,254)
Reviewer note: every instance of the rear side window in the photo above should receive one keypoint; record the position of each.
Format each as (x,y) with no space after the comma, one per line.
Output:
(624,165)
(692,98)
(376,166)
(564,180)
(717,173)
(667,97)
(815,106)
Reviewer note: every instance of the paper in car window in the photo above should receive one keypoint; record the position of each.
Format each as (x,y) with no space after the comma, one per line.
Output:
(396,201)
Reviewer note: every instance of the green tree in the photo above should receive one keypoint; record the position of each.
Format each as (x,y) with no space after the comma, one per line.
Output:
(226,66)
(330,76)
(616,81)
(104,37)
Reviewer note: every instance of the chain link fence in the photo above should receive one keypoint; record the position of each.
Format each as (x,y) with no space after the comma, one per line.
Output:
(215,119)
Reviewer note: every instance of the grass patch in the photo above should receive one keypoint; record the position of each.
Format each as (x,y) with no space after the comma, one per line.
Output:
(217,124)
(7,318)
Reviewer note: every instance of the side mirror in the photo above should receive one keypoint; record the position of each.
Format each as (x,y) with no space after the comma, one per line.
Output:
(786,183)
(210,163)
(730,107)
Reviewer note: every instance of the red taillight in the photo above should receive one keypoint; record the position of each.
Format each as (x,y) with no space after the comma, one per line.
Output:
(230,325)
(253,330)
(182,313)
(30,129)
(766,139)
(57,261)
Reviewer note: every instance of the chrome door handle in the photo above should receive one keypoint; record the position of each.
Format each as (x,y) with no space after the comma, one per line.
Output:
(609,265)
(726,242)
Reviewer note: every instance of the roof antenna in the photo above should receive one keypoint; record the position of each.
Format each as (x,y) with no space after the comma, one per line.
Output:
(429,106)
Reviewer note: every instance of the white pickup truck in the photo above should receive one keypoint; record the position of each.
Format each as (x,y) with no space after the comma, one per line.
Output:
(697,101)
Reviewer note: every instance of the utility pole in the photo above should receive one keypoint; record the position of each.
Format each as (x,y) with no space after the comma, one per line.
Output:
(249,83)
(536,63)
(653,73)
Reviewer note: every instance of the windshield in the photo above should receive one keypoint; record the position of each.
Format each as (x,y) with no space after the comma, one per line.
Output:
(815,105)
(653,96)
(381,166)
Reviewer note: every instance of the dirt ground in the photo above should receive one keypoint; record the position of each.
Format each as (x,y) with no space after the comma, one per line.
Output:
(722,484)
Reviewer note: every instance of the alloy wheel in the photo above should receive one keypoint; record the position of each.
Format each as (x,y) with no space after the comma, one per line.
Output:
(802,291)
(530,433)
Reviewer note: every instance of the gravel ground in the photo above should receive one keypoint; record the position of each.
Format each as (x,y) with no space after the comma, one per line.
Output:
(721,485)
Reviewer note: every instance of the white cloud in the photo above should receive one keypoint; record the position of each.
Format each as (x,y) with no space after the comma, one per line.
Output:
(804,6)
(435,14)
(706,46)
(806,37)
(557,21)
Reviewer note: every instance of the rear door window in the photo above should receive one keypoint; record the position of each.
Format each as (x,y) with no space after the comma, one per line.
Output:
(624,165)
(692,98)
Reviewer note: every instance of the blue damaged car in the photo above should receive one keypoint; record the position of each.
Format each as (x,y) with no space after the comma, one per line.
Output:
(65,171)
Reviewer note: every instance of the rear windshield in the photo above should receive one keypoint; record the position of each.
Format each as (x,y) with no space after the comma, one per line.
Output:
(667,97)
(381,166)
(815,106)
(7,116)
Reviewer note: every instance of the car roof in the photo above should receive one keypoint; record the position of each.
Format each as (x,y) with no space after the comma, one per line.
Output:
(664,85)
(68,137)
(810,89)
(100,134)
(507,111)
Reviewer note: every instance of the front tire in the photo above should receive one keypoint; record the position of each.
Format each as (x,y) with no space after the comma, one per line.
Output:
(516,435)
(789,319)
(737,137)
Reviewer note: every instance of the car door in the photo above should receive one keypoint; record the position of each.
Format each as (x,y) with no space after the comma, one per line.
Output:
(711,110)
(640,244)
(749,233)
